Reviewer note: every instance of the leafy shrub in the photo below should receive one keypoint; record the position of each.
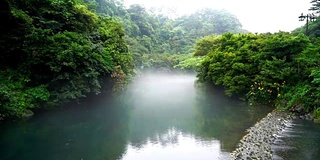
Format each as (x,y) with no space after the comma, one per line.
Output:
(278,68)
(316,114)
(16,98)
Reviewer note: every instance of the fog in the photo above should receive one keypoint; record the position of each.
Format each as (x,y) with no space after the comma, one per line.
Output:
(159,116)
(162,90)
(255,15)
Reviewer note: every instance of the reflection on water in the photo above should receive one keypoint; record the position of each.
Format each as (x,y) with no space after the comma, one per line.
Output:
(178,146)
(158,117)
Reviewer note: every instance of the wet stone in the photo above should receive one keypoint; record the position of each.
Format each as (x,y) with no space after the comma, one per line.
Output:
(257,143)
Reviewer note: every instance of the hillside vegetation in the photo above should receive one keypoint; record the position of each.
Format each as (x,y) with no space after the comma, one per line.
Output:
(277,69)
(53,51)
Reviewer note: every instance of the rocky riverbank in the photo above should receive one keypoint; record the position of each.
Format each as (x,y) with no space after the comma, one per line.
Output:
(257,143)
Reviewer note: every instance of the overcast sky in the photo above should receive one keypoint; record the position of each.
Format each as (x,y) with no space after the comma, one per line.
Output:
(254,15)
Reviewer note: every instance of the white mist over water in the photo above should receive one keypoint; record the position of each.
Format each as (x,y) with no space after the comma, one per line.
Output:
(168,102)
(161,116)
(163,90)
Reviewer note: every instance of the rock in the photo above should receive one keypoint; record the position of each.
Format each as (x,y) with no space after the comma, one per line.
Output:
(256,144)
(309,116)
(27,114)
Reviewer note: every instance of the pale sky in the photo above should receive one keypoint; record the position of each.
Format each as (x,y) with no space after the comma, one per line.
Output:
(254,15)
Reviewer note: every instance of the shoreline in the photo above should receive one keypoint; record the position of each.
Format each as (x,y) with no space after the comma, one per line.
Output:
(256,144)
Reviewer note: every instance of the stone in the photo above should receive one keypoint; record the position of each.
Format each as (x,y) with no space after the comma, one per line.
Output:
(256,144)
(27,114)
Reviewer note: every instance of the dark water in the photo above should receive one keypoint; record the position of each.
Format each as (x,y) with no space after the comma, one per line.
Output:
(299,141)
(159,117)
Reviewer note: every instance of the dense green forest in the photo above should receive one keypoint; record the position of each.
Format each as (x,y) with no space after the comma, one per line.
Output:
(148,34)
(151,33)
(54,51)
(280,69)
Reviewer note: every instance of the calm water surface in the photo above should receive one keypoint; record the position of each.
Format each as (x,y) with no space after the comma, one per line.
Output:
(159,117)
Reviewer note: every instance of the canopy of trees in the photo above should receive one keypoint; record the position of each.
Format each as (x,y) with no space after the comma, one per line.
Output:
(148,33)
(53,51)
(279,69)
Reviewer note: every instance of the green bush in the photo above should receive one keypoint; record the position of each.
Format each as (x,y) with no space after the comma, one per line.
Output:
(316,114)
(278,69)
(16,98)
(55,51)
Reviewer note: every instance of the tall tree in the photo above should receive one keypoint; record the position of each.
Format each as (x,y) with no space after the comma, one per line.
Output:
(53,51)
(315,6)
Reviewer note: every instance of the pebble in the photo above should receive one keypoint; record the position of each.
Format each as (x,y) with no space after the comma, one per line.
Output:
(256,144)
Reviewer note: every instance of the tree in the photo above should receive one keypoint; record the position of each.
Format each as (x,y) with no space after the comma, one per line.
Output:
(157,33)
(255,65)
(56,51)
(315,6)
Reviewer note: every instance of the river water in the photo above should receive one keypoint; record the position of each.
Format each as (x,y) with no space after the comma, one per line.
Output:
(299,140)
(159,117)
